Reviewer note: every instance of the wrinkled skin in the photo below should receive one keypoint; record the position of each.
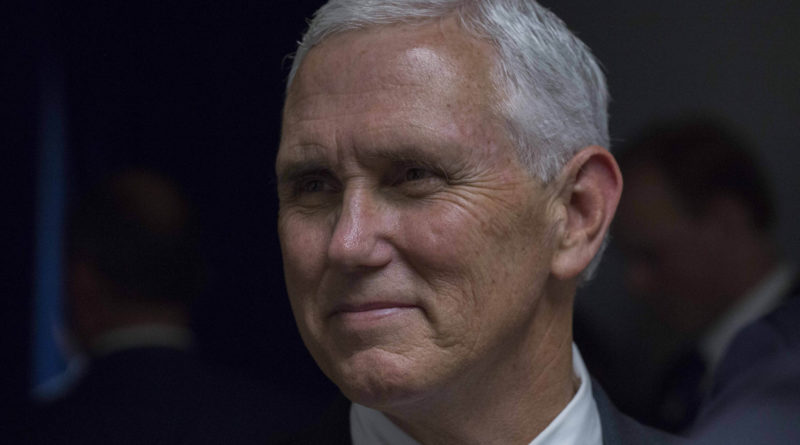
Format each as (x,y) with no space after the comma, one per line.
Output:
(417,249)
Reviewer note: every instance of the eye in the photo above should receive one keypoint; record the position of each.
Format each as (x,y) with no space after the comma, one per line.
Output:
(416,174)
(311,185)
(418,180)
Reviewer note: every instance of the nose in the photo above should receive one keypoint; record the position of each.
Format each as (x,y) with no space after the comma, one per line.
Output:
(359,237)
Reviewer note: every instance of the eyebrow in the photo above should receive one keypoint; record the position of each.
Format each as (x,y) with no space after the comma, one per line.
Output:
(294,170)
(301,160)
(312,159)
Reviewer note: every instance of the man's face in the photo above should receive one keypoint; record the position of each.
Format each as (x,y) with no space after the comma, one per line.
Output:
(671,256)
(416,247)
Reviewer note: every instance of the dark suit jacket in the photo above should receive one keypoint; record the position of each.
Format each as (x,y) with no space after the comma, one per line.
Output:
(675,397)
(618,429)
(155,395)
(756,394)
(621,429)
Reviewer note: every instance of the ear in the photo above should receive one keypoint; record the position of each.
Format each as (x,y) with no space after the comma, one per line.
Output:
(589,188)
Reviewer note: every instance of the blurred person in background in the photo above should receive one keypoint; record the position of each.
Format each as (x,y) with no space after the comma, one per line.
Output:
(695,226)
(133,270)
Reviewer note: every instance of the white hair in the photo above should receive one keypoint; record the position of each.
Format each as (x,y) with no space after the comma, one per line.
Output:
(555,93)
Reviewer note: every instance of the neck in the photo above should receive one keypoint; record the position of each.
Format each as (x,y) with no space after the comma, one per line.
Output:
(510,401)
(746,267)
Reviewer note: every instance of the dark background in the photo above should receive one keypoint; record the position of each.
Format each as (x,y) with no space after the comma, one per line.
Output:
(194,89)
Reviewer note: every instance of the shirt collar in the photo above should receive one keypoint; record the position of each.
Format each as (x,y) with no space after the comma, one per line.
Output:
(758,301)
(577,424)
(143,335)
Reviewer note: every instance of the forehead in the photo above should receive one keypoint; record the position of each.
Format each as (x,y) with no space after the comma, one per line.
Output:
(387,62)
(427,87)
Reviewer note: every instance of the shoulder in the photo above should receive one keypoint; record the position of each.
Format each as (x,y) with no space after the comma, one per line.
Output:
(761,349)
(761,407)
(756,394)
(161,396)
(785,321)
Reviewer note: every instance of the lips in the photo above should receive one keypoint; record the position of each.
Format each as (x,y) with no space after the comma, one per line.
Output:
(376,309)
(347,308)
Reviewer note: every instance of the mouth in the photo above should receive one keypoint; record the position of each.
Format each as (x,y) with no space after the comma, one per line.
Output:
(370,311)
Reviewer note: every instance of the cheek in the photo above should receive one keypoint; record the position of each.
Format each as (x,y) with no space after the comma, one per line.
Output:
(303,250)
(476,237)
(463,255)
(441,242)
(303,247)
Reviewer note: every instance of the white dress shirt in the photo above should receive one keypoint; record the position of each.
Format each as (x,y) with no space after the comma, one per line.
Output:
(577,424)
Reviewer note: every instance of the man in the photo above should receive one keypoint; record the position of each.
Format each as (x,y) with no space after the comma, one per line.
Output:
(443,190)
(133,269)
(695,226)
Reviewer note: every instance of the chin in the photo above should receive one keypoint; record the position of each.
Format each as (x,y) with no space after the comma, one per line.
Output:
(378,379)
